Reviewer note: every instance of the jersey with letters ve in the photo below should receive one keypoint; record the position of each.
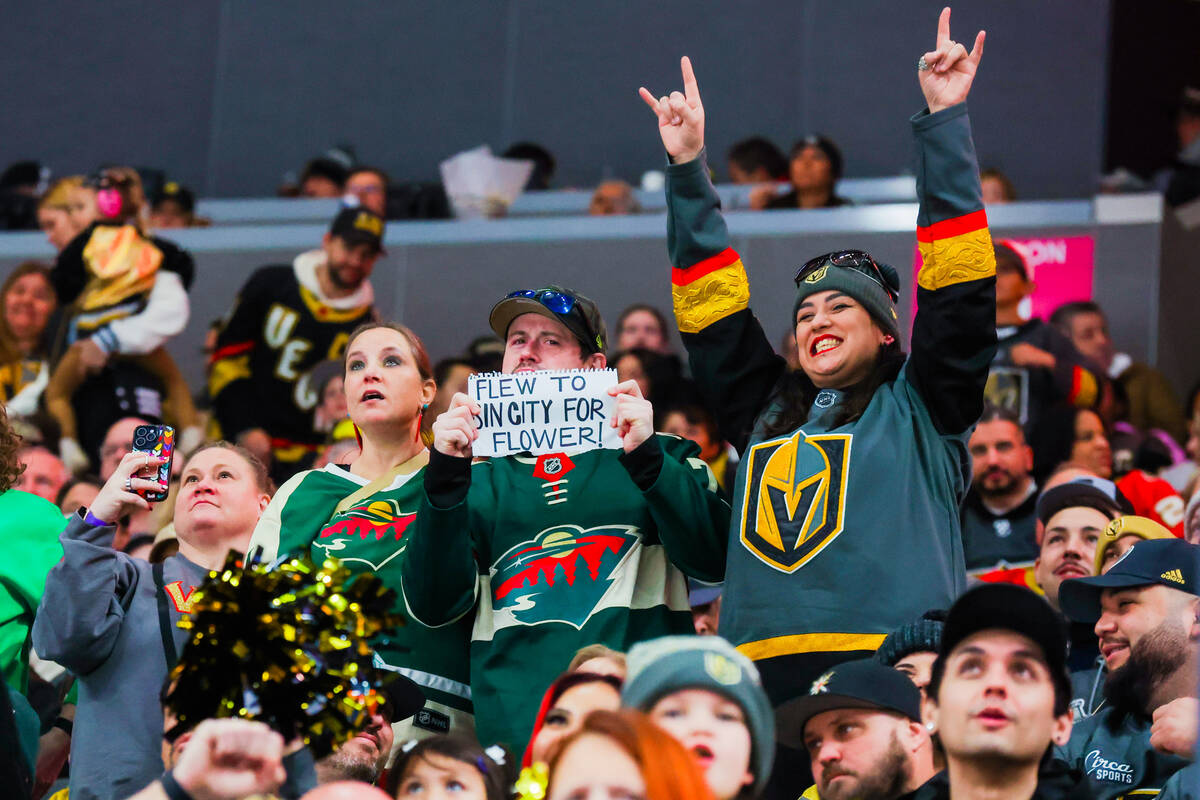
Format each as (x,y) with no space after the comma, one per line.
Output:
(841,533)
(280,328)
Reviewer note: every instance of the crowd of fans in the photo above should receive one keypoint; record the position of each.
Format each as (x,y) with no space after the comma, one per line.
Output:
(841,571)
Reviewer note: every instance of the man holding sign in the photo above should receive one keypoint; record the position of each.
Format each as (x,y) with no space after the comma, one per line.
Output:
(544,411)
(579,529)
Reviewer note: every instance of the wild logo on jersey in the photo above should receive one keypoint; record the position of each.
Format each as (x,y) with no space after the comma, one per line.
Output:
(370,534)
(561,575)
(795,500)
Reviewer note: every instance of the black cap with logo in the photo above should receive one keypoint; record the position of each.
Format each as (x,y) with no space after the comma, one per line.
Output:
(855,684)
(357,225)
(1166,562)
(1091,492)
(402,696)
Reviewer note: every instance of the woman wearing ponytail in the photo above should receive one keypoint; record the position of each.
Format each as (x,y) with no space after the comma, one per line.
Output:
(360,513)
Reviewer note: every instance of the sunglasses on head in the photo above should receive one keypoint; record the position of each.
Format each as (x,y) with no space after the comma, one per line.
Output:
(858,260)
(556,301)
(563,304)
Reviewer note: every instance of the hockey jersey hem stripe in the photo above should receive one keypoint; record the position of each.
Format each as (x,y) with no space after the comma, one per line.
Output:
(811,643)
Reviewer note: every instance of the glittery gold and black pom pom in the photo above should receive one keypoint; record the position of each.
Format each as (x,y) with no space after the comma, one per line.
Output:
(287,644)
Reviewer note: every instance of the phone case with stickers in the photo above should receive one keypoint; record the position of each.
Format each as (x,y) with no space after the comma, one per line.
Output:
(157,440)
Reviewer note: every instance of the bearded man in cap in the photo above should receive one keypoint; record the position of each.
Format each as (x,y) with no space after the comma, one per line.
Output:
(1146,612)
(1120,535)
(286,320)
(860,724)
(1074,516)
(562,550)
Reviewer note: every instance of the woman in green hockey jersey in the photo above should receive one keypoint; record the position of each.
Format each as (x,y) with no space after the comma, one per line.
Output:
(361,513)
(845,520)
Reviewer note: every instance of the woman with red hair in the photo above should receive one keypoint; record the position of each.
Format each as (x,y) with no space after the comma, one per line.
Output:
(568,701)
(623,755)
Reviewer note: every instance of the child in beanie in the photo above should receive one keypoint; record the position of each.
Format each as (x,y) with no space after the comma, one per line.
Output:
(709,697)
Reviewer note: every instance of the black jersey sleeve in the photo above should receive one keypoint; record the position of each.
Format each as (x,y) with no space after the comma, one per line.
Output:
(69,275)
(177,260)
(731,358)
(954,333)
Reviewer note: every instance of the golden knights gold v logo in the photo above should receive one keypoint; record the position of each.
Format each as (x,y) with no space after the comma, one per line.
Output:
(795,500)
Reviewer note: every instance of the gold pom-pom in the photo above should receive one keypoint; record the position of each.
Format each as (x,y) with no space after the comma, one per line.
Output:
(286,643)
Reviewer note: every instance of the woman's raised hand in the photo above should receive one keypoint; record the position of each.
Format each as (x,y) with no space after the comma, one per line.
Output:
(680,117)
(951,69)
(119,496)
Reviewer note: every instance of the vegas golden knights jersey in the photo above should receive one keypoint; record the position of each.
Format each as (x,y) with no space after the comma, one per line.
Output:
(842,531)
(260,373)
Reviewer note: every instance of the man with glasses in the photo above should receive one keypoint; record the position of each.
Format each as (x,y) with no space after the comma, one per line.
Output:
(558,551)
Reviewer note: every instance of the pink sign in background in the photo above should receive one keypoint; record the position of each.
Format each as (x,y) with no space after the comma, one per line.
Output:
(1060,268)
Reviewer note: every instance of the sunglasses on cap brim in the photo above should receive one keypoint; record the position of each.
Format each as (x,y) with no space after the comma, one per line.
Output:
(562,304)
(857,260)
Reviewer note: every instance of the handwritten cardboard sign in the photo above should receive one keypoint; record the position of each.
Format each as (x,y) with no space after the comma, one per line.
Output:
(544,412)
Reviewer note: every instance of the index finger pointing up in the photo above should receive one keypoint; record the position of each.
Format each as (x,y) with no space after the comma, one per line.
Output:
(690,89)
(943,34)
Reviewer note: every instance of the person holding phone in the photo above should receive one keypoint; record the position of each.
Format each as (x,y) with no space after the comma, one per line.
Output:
(111,619)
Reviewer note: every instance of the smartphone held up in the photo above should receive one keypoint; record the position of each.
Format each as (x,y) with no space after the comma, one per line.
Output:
(158,441)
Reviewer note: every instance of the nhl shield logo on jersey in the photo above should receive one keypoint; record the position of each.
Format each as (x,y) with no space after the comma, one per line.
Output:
(552,466)
(561,574)
(795,501)
(366,534)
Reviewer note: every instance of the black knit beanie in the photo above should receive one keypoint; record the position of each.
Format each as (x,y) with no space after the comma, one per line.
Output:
(922,635)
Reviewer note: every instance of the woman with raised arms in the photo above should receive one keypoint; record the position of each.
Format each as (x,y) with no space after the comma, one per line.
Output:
(845,520)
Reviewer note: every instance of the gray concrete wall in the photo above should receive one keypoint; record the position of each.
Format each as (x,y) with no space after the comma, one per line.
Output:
(227,96)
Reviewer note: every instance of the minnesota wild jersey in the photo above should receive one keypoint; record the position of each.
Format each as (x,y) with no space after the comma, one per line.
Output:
(842,531)
(550,553)
(310,514)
